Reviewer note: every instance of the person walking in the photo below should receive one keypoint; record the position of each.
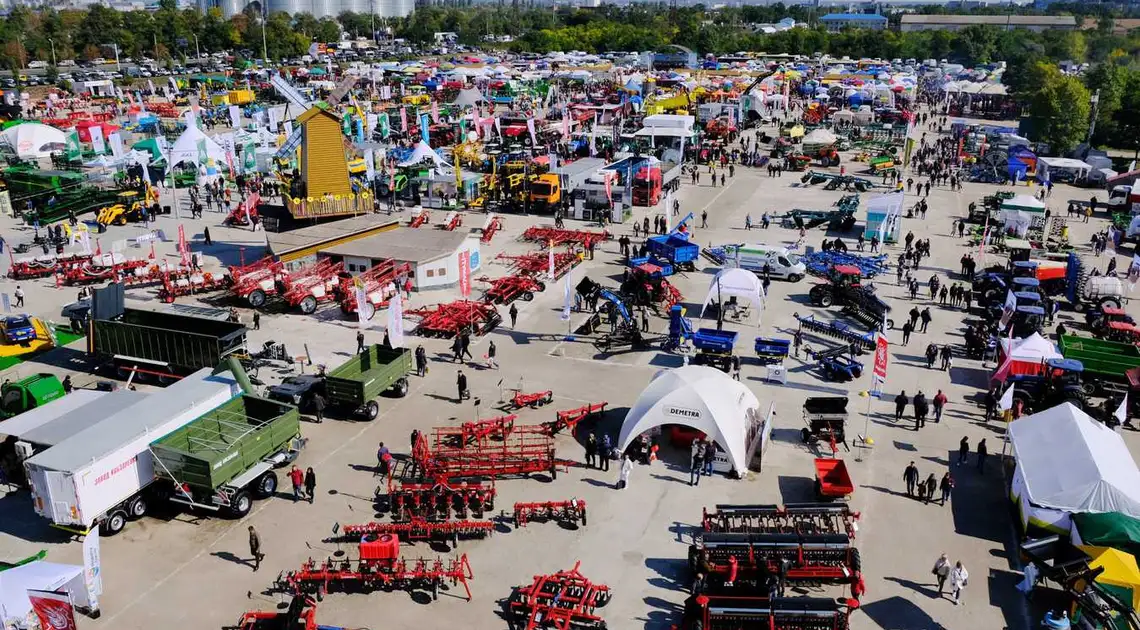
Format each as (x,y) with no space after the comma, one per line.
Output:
(19,296)
(421,361)
(907,329)
(910,476)
(457,350)
(900,405)
(710,456)
(256,320)
(255,548)
(318,407)
(928,492)
(697,462)
(623,472)
(925,318)
(921,408)
(359,342)
(963,450)
(704,218)
(491,362)
(946,485)
(939,404)
(298,479)
(465,344)
(958,579)
(514,313)
(982,452)
(206,236)
(606,452)
(941,572)
(591,450)
(461,385)
(991,401)
(310,484)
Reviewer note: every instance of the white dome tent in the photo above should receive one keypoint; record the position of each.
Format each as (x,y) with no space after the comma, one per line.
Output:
(705,399)
(33,140)
(739,282)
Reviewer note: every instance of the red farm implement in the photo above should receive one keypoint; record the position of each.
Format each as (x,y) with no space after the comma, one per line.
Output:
(245,212)
(44,266)
(378,567)
(475,431)
(569,512)
(520,454)
(108,267)
(741,559)
(493,224)
(722,612)
(537,264)
(379,284)
(794,518)
(534,400)
(256,281)
(300,615)
(180,283)
(452,221)
(308,287)
(548,236)
(448,320)
(510,288)
(420,529)
(420,219)
(570,418)
(440,500)
(565,600)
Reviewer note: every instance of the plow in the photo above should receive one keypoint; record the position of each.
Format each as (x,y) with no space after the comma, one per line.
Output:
(418,529)
(420,219)
(534,400)
(538,263)
(556,236)
(493,224)
(569,512)
(795,518)
(836,182)
(448,320)
(379,284)
(564,600)
(378,567)
(510,288)
(45,266)
(519,454)
(837,330)
(569,418)
(440,500)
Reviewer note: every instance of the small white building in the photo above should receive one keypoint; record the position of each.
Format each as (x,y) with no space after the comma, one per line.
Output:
(433,254)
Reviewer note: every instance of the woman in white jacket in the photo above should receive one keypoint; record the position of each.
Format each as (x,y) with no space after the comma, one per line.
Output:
(623,472)
(958,578)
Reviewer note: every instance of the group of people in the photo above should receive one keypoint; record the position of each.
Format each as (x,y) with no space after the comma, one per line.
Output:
(924,489)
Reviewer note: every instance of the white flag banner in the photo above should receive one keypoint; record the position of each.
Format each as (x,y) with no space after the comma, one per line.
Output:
(235,116)
(1006,402)
(116,141)
(92,567)
(364,308)
(567,297)
(97,139)
(288,128)
(396,320)
(370,165)
(188,116)
(550,260)
(1121,412)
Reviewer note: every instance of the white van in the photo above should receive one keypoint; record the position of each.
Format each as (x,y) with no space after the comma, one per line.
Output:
(781,263)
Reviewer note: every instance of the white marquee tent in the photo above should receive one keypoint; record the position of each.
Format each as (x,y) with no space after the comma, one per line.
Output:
(705,399)
(1068,463)
(185,149)
(423,151)
(33,140)
(739,282)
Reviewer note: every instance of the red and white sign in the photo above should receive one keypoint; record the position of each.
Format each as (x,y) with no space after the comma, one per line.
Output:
(182,247)
(54,610)
(881,355)
(465,273)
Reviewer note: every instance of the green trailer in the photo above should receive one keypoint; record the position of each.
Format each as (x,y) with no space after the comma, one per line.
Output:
(356,383)
(160,345)
(37,390)
(225,458)
(1105,362)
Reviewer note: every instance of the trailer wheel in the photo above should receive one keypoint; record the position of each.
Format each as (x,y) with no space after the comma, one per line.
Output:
(371,410)
(266,485)
(114,523)
(856,562)
(1109,302)
(540,287)
(309,305)
(241,504)
(401,388)
(526,296)
(890,324)
(136,507)
(435,589)
(1089,388)
(256,298)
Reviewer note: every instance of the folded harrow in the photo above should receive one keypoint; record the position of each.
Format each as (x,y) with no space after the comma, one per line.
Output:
(494,224)
(519,454)
(571,512)
(448,320)
(570,418)
(563,601)
(510,288)
(537,264)
(548,236)
(721,612)
(419,529)
(838,330)
(440,500)
(475,432)
(794,518)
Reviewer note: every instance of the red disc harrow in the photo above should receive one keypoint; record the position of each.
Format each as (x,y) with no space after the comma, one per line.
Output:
(537,264)
(555,236)
(519,454)
(510,288)
(448,320)
(570,512)
(561,601)
(440,499)
(421,529)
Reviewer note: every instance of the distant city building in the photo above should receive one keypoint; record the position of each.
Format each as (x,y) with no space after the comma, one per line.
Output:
(318,8)
(1035,23)
(836,22)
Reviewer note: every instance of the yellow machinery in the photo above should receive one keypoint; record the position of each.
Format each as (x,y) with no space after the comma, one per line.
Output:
(129,208)
(680,103)
(546,190)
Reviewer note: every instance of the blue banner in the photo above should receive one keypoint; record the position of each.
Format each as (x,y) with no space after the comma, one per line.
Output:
(424,124)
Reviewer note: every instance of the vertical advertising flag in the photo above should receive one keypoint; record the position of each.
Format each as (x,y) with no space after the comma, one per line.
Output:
(235,117)
(364,309)
(116,142)
(530,128)
(465,273)
(396,320)
(183,249)
(435,112)
(54,610)
(882,356)
(97,139)
(425,129)
(403,120)
(92,567)
(567,297)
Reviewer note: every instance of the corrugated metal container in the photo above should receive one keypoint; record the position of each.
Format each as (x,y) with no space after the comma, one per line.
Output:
(184,343)
(227,441)
(77,481)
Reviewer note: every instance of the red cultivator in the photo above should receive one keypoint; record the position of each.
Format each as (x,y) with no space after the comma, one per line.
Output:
(378,568)
(571,512)
(420,529)
(423,217)
(256,281)
(519,454)
(100,269)
(570,418)
(748,560)
(555,236)
(379,284)
(475,432)
(32,268)
(448,320)
(451,221)
(440,500)
(182,282)
(300,615)
(565,600)
(494,224)
(308,287)
(245,212)
(537,264)
(510,288)
(795,518)
(533,400)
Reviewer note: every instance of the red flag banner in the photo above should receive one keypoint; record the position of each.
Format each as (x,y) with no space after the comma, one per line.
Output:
(465,273)
(54,610)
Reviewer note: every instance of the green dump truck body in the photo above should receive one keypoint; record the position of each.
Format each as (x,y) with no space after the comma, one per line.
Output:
(29,393)
(225,442)
(1101,358)
(182,343)
(365,376)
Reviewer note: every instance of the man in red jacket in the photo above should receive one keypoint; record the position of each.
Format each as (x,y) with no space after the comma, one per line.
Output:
(298,479)
(939,403)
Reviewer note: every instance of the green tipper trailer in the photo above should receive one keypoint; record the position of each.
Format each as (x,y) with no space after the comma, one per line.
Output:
(163,344)
(226,457)
(356,383)
(1105,362)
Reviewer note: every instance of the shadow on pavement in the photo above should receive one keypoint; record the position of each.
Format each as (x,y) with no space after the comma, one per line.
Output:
(899,613)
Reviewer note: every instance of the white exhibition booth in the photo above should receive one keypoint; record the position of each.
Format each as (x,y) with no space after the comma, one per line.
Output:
(1068,463)
(739,283)
(705,399)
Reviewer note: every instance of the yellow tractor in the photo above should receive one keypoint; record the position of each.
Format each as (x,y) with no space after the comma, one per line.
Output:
(128,209)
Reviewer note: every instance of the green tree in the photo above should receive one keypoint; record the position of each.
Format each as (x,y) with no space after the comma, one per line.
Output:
(1111,78)
(1059,110)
